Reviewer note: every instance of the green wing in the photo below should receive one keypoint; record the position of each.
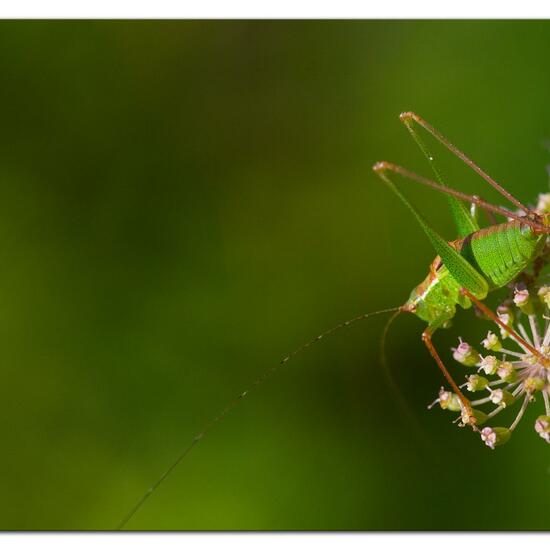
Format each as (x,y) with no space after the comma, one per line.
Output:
(464,273)
(464,222)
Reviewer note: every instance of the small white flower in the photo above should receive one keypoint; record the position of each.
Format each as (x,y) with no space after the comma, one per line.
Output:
(508,320)
(542,427)
(502,397)
(522,299)
(476,382)
(491,342)
(449,400)
(495,436)
(489,437)
(507,372)
(489,364)
(466,354)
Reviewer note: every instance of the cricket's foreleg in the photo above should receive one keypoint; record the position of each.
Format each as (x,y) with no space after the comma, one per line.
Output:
(427,339)
(493,316)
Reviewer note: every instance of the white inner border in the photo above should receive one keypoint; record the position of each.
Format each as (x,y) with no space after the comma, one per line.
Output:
(261,9)
(284,9)
(319,541)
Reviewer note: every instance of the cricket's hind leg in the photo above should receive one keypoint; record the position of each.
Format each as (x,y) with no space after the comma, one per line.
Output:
(409,118)
(467,407)
(494,317)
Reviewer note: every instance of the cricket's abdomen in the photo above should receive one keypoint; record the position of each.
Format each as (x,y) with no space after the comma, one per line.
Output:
(501,252)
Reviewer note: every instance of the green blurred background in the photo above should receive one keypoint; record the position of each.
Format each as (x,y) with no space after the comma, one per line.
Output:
(181,204)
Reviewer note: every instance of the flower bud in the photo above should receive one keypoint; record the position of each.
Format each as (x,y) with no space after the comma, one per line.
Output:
(449,400)
(495,436)
(507,372)
(542,427)
(502,398)
(533,384)
(491,342)
(476,382)
(466,354)
(489,364)
(544,295)
(523,301)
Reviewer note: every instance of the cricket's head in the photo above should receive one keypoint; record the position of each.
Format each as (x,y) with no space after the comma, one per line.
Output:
(415,305)
(434,299)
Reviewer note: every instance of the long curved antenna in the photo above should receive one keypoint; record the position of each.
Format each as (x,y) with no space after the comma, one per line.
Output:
(267,374)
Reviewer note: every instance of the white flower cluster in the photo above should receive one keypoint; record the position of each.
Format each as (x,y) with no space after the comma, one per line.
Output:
(507,377)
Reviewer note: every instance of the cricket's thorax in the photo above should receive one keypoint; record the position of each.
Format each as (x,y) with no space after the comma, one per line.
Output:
(499,253)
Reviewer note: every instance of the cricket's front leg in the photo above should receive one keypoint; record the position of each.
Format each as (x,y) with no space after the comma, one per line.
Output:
(467,412)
